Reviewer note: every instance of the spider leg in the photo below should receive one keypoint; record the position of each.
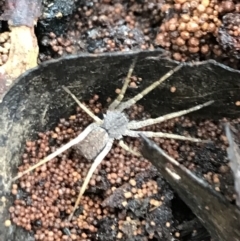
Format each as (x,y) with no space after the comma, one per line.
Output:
(94,166)
(59,151)
(119,98)
(127,148)
(139,124)
(136,98)
(82,106)
(164,135)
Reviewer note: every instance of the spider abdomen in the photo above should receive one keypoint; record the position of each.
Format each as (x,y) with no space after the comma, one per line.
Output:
(115,123)
(93,144)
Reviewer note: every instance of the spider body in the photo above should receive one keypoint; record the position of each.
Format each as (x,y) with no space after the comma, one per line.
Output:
(113,127)
(115,123)
(95,142)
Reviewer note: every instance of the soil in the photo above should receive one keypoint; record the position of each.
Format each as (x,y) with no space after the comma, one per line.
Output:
(97,26)
(127,198)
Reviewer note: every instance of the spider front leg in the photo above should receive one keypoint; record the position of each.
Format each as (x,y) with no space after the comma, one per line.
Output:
(59,151)
(119,98)
(87,179)
(136,98)
(140,124)
(163,135)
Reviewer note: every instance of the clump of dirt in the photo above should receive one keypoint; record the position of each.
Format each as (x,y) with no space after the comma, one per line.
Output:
(187,30)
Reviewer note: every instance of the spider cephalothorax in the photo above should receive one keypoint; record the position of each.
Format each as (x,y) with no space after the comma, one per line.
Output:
(95,142)
(115,123)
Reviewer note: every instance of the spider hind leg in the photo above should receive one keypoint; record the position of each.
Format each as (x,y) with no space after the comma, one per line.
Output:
(82,106)
(87,179)
(58,151)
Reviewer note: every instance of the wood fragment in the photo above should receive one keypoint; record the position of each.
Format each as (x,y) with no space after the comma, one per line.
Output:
(233,152)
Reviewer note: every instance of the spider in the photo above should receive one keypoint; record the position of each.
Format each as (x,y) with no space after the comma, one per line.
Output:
(95,142)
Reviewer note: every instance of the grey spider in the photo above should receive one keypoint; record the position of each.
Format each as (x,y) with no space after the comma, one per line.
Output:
(97,139)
